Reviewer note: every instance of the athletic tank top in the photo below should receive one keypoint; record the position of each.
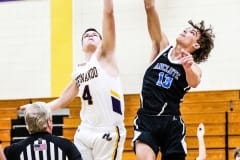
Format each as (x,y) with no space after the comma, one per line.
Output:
(164,85)
(101,95)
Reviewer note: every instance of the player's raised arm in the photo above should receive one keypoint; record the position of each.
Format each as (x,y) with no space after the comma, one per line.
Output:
(108,28)
(159,40)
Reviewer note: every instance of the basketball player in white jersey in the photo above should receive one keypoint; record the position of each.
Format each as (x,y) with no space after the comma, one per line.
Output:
(101,134)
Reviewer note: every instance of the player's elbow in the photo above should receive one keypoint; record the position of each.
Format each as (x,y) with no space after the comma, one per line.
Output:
(193,81)
(194,84)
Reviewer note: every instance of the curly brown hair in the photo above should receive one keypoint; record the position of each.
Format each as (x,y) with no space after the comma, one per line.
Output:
(205,41)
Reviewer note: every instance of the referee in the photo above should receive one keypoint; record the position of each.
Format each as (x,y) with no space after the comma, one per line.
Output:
(41,144)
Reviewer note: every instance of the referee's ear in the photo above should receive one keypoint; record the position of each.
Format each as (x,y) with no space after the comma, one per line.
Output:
(28,129)
(49,125)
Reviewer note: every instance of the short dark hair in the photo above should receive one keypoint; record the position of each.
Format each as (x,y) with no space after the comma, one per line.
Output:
(236,152)
(206,41)
(91,29)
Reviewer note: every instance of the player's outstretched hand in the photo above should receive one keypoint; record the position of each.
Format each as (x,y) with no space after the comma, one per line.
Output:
(23,107)
(200,130)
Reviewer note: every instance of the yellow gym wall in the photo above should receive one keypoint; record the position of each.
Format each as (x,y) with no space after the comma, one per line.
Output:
(61,45)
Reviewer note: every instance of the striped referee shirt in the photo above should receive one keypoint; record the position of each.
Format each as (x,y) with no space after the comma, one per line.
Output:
(42,146)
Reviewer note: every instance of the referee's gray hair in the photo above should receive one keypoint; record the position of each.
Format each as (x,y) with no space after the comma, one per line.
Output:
(37,116)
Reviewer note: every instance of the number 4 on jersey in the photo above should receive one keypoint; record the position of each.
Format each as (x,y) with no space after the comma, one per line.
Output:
(87,95)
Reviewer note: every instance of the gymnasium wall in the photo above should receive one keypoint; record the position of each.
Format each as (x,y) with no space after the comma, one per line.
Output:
(24,49)
(26,66)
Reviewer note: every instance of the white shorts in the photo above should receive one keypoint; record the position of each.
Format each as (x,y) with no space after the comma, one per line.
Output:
(100,143)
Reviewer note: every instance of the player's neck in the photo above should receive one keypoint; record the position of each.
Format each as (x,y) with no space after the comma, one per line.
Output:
(88,56)
(176,51)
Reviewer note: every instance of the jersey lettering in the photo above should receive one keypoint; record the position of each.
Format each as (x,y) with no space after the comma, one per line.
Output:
(164,80)
(84,77)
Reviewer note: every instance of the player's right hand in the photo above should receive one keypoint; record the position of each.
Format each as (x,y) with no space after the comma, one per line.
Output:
(23,107)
